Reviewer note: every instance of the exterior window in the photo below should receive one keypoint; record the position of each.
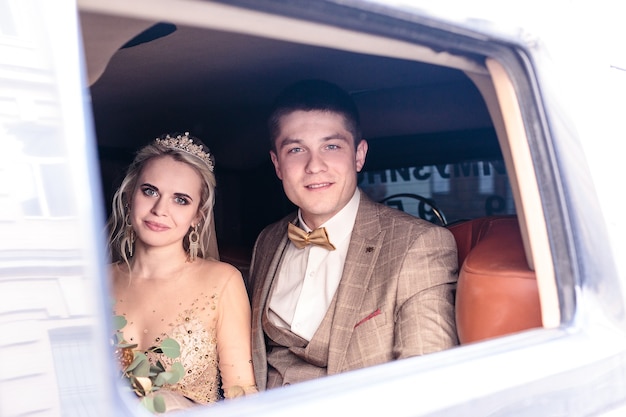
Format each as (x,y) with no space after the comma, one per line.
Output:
(42,193)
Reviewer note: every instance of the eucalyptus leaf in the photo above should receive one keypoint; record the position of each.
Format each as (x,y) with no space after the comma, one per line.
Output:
(164,378)
(148,402)
(119,322)
(138,358)
(178,370)
(170,348)
(142,369)
(159,404)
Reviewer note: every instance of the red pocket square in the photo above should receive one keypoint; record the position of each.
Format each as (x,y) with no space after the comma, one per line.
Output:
(370,316)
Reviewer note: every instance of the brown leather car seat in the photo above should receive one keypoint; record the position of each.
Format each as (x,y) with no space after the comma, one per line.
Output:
(497,292)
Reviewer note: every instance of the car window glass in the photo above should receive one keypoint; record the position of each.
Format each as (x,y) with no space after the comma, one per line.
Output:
(462,190)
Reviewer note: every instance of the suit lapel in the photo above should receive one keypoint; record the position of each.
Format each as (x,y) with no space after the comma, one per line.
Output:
(363,253)
(270,274)
(277,239)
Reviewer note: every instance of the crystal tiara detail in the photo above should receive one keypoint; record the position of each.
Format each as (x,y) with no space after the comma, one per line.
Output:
(185,143)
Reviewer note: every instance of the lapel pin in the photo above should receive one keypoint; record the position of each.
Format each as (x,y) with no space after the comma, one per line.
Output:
(369,249)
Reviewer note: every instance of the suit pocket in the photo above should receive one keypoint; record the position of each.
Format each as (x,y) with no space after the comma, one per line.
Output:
(369,317)
(377,318)
(371,342)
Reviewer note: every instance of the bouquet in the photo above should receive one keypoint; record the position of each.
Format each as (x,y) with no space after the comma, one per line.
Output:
(144,378)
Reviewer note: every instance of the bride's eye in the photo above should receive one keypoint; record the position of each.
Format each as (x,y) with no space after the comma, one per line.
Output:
(149,191)
(182,201)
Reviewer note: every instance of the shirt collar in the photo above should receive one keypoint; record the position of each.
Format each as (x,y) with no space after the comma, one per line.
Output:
(340,225)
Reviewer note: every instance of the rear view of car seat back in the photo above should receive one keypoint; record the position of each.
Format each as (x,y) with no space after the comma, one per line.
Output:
(497,292)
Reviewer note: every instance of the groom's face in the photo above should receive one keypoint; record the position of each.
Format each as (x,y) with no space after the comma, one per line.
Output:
(317,160)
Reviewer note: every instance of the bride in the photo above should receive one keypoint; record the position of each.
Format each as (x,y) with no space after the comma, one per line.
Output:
(166,280)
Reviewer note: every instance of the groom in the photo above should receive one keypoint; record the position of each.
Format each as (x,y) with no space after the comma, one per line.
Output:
(345,282)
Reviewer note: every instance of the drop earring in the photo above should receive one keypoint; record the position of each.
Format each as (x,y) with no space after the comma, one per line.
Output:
(194,240)
(129,236)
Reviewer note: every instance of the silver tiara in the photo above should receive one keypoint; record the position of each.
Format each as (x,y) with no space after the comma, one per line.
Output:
(185,143)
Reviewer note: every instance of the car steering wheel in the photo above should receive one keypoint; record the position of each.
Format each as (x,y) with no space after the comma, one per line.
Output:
(395,200)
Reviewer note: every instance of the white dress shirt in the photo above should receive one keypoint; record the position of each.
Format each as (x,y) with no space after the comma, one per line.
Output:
(309,277)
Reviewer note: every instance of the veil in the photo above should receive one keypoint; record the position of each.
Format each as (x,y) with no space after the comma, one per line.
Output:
(212,250)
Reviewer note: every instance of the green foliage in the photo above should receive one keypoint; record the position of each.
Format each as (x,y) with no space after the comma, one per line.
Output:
(119,322)
(154,404)
(170,348)
(143,378)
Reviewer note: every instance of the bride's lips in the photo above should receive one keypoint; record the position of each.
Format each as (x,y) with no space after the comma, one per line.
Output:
(156,227)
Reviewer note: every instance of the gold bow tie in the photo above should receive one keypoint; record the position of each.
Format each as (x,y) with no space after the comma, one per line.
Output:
(300,238)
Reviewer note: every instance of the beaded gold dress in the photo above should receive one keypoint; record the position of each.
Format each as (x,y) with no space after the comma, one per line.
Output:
(212,329)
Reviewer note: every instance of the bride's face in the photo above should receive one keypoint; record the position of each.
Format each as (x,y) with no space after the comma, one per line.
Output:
(165,202)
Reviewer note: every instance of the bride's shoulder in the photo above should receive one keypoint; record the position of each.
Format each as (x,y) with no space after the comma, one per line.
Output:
(217,270)
(219,280)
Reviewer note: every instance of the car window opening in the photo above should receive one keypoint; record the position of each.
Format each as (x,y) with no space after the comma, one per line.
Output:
(465,176)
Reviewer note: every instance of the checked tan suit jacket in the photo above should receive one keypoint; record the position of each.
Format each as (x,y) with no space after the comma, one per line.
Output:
(395,298)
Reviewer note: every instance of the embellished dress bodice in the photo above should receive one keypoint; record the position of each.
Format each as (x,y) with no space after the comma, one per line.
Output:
(211,351)
(198,353)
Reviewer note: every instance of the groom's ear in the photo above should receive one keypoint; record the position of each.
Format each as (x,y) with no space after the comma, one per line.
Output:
(276,163)
(361,152)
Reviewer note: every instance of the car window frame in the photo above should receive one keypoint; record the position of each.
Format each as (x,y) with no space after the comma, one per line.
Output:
(554,219)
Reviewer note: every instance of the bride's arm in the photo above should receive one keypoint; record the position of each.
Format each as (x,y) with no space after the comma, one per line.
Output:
(233,339)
